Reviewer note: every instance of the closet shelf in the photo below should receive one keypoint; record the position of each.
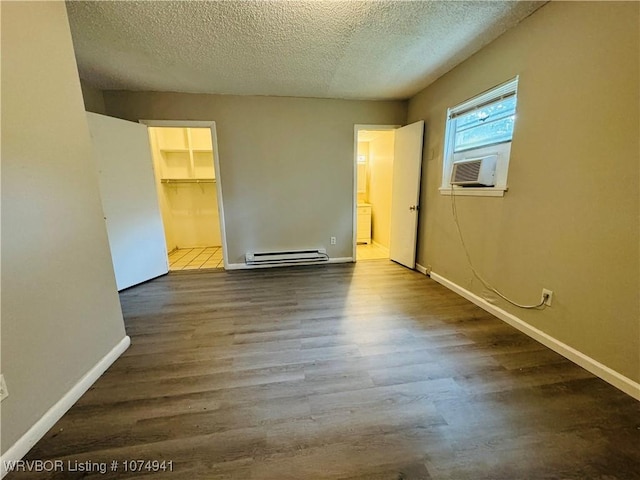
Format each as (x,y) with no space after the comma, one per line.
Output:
(174,150)
(186,150)
(188,180)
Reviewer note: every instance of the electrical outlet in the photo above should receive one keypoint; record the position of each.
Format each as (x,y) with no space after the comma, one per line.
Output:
(549,297)
(4,393)
(333,240)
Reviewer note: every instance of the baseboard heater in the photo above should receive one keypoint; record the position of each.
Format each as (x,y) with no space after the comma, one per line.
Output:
(290,256)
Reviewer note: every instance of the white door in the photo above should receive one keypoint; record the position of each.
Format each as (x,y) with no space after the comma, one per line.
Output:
(405,197)
(129,200)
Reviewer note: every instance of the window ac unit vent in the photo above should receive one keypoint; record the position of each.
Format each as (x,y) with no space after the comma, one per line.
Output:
(287,257)
(475,172)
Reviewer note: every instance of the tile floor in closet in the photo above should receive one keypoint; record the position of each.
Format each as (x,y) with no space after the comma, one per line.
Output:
(196,258)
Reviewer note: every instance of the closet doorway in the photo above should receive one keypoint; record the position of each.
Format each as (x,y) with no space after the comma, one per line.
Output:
(186,166)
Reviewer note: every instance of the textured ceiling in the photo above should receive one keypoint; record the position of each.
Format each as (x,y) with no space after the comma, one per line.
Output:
(328,49)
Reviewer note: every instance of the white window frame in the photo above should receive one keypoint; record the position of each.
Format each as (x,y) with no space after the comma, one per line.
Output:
(501,150)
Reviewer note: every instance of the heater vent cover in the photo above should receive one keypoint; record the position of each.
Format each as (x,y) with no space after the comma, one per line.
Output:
(284,257)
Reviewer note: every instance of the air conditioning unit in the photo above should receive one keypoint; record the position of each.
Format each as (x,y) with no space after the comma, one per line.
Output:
(475,172)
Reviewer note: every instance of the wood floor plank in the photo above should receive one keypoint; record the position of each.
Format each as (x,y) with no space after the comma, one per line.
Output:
(343,372)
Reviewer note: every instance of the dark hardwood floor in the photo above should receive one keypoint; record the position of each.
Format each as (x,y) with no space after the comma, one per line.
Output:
(366,371)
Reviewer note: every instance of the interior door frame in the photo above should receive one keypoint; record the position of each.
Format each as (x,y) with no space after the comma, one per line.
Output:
(356,129)
(211,125)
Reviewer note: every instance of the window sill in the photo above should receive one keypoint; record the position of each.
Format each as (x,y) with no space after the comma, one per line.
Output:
(475,191)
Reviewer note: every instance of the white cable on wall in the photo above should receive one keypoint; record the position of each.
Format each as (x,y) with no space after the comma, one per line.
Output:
(487,285)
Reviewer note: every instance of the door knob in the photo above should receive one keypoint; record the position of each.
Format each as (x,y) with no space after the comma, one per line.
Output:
(414,207)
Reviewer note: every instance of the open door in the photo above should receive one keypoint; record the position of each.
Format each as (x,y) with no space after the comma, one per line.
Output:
(129,200)
(405,198)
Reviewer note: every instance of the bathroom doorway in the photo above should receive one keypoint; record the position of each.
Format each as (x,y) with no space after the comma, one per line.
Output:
(388,163)
(374,173)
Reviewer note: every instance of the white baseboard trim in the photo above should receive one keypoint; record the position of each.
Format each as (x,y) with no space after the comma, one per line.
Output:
(48,420)
(421,269)
(244,266)
(600,370)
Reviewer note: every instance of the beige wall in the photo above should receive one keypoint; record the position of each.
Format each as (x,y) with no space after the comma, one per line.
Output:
(165,210)
(93,98)
(569,221)
(60,309)
(286,164)
(381,185)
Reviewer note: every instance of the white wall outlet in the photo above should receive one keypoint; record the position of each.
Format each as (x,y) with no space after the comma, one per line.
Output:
(333,240)
(549,296)
(4,393)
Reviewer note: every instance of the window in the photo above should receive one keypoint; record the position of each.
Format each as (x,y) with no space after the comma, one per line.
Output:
(481,127)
